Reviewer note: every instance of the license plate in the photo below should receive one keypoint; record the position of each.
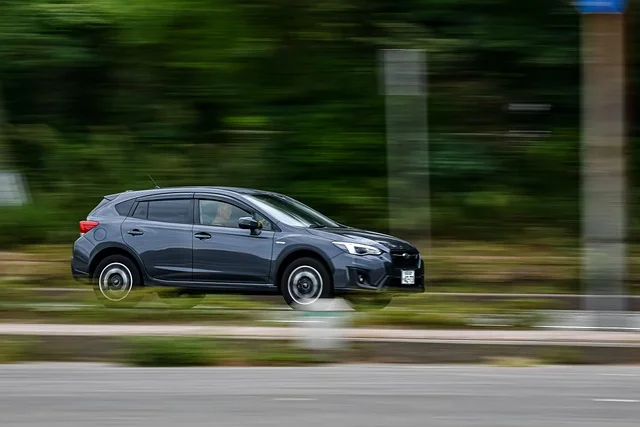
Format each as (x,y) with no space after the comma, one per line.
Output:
(408,277)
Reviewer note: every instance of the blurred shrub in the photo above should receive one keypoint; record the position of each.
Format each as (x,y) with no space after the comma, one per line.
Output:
(282,355)
(163,351)
(27,225)
(513,361)
(13,350)
(174,351)
(563,356)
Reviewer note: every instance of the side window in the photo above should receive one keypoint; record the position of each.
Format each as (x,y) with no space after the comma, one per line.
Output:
(123,208)
(177,211)
(221,214)
(141,210)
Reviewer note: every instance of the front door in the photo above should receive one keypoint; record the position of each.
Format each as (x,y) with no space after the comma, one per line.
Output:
(223,252)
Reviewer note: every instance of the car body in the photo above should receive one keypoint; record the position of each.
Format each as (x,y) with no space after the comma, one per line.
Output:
(166,239)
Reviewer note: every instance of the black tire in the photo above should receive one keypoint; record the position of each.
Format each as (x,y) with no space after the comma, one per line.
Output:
(313,284)
(117,282)
(180,298)
(369,303)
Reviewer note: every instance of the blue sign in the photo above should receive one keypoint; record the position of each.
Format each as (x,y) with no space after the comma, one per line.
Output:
(601,6)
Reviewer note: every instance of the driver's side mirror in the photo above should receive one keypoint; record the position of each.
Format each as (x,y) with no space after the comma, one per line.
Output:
(249,223)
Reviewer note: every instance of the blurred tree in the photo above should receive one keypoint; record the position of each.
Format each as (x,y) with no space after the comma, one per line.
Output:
(285,95)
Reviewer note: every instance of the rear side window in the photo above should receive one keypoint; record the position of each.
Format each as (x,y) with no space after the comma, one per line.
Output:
(177,211)
(141,210)
(103,202)
(124,207)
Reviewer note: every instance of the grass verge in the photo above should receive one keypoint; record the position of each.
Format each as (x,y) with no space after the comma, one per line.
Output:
(207,351)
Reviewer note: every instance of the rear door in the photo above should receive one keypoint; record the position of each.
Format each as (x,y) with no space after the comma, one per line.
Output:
(224,253)
(160,231)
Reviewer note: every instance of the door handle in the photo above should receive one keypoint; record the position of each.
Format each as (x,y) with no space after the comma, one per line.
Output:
(203,236)
(135,232)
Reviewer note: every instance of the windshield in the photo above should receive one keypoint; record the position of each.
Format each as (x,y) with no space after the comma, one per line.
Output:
(291,212)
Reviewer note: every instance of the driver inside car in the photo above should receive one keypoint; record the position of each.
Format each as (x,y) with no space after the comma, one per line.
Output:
(223,216)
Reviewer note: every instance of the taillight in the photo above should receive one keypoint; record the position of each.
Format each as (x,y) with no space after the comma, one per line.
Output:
(86,226)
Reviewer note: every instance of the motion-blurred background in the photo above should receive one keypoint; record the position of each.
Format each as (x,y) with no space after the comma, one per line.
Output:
(287,96)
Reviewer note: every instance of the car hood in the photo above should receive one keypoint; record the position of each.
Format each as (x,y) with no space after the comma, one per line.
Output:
(363,236)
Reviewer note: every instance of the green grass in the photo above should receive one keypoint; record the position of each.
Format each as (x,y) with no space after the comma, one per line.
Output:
(532,266)
(98,314)
(425,311)
(420,311)
(539,266)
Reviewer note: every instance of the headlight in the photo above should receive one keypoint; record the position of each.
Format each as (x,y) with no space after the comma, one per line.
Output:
(358,248)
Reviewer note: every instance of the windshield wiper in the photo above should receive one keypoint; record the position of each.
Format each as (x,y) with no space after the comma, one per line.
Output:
(317,226)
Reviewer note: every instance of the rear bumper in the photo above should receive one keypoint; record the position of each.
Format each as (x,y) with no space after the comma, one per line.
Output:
(79,270)
(82,249)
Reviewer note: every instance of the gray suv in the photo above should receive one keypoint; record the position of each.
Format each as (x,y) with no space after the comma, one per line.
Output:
(189,241)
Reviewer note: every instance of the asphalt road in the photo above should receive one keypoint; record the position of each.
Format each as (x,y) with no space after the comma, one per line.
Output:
(72,395)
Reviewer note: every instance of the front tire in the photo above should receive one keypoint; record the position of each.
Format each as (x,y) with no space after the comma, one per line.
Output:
(117,282)
(305,283)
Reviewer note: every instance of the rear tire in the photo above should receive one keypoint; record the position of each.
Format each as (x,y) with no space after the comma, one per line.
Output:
(117,282)
(180,299)
(306,284)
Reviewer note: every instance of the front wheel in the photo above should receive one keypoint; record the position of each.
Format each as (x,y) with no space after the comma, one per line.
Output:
(305,283)
(117,282)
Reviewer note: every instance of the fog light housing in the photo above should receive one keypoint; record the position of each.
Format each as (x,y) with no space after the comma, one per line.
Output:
(360,278)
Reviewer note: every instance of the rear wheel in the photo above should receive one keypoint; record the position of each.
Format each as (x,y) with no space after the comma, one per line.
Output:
(180,299)
(117,282)
(305,283)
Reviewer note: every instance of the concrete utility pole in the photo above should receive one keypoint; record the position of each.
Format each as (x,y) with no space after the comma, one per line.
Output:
(603,161)
(404,86)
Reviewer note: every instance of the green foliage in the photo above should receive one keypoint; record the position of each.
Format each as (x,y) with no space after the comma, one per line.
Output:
(99,93)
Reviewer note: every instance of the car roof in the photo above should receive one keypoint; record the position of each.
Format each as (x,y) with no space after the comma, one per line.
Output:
(192,189)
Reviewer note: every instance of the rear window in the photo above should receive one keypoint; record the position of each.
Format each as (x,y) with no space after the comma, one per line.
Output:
(124,207)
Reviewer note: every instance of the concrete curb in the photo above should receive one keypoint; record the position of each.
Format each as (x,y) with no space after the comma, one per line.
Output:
(520,337)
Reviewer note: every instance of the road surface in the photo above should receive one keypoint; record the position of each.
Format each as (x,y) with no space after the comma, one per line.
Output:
(79,395)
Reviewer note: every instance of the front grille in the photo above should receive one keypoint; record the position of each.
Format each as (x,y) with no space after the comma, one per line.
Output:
(405,259)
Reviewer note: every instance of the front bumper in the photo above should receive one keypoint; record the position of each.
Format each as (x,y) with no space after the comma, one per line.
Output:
(375,274)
